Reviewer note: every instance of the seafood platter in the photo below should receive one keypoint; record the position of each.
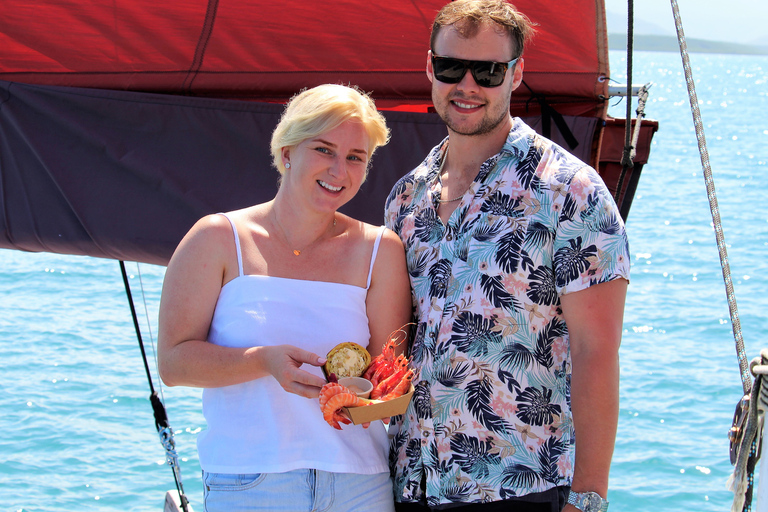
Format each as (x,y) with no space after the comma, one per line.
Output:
(362,389)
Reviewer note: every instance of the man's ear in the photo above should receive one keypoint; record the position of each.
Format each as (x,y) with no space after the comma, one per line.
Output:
(430,76)
(517,76)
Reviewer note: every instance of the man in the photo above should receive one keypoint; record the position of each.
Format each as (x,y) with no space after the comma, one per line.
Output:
(519,265)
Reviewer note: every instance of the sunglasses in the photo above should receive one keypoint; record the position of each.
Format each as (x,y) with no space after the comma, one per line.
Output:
(486,74)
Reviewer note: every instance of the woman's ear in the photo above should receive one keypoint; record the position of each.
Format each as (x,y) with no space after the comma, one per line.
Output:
(285,153)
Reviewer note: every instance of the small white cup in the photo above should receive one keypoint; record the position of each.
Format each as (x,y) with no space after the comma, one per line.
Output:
(360,386)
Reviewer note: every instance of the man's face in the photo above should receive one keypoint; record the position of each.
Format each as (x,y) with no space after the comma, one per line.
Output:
(465,107)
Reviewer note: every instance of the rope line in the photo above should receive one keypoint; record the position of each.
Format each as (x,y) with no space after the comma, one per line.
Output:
(161,418)
(149,323)
(746,380)
(745,436)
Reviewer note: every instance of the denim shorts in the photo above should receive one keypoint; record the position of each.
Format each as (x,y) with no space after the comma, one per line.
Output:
(300,490)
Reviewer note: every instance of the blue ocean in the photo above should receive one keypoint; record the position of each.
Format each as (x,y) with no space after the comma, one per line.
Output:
(76,426)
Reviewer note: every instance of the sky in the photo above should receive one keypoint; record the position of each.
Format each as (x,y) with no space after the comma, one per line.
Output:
(732,21)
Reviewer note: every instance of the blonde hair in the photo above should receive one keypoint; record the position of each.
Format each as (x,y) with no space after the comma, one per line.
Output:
(323,108)
(467,16)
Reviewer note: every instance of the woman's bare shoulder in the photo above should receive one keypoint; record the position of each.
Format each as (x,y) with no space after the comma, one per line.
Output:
(214,228)
(390,251)
(210,241)
(371,232)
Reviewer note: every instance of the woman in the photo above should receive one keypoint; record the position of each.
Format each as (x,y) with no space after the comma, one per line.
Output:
(255,298)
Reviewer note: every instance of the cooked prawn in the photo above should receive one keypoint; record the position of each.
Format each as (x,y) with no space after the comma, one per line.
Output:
(329,390)
(387,356)
(401,388)
(386,385)
(331,409)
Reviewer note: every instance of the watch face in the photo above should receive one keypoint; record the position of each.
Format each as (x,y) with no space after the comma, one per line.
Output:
(592,502)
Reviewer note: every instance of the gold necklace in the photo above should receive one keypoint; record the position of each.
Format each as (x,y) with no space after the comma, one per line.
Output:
(440,172)
(297,252)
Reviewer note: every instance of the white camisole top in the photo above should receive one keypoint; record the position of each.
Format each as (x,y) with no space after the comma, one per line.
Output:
(257,426)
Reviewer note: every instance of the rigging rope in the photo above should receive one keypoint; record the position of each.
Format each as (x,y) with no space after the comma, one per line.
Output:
(161,418)
(630,137)
(746,430)
(746,379)
(628,156)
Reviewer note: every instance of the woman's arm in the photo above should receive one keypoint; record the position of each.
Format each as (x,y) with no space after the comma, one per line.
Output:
(193,281)
(389,304)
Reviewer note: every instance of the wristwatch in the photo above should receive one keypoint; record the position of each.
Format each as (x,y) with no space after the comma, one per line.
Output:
(587,501)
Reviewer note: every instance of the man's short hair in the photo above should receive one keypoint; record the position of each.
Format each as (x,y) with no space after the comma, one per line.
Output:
(467,16)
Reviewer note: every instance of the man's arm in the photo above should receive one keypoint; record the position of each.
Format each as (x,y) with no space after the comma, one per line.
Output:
(594,317)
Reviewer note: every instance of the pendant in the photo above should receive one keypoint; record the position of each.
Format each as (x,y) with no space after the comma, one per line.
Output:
(296,252)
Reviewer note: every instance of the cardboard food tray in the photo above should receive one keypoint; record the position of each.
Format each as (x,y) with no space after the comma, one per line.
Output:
(379,410)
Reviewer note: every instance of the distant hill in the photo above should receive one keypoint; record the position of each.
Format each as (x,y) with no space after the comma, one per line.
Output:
(661,43)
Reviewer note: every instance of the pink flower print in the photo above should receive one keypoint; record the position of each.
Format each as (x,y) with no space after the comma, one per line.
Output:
(497,313)
(483,267)
(564,464)
(514,283)
(581,186)
(409,224)
(516,190)
(503,405)
(559,350)
(443,447)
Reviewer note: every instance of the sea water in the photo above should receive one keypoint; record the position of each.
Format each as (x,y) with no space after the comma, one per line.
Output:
(76,427)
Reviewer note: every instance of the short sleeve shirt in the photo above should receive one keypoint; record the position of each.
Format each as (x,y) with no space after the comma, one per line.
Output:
(491,418)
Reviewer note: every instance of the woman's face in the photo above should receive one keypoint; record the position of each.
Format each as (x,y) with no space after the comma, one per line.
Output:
(328,169)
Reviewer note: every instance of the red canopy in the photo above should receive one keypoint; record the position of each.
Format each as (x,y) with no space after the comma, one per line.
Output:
(107,167)
(266,51)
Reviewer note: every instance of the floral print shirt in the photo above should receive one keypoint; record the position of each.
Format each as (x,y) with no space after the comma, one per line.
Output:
(490,418)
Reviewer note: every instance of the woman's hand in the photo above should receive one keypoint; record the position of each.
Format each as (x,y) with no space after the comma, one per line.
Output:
(284,363)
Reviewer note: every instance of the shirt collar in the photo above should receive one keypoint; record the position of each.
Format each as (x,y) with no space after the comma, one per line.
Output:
(517,144)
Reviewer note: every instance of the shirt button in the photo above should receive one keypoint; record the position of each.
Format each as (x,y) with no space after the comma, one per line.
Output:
(449,237)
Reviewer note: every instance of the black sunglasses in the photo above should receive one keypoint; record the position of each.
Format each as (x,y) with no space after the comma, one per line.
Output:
(486,74)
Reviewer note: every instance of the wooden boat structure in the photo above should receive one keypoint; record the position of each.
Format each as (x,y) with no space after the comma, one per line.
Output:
(123,122)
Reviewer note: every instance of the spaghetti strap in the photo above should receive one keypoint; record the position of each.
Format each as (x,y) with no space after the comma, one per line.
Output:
(373,256)
(237,244)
